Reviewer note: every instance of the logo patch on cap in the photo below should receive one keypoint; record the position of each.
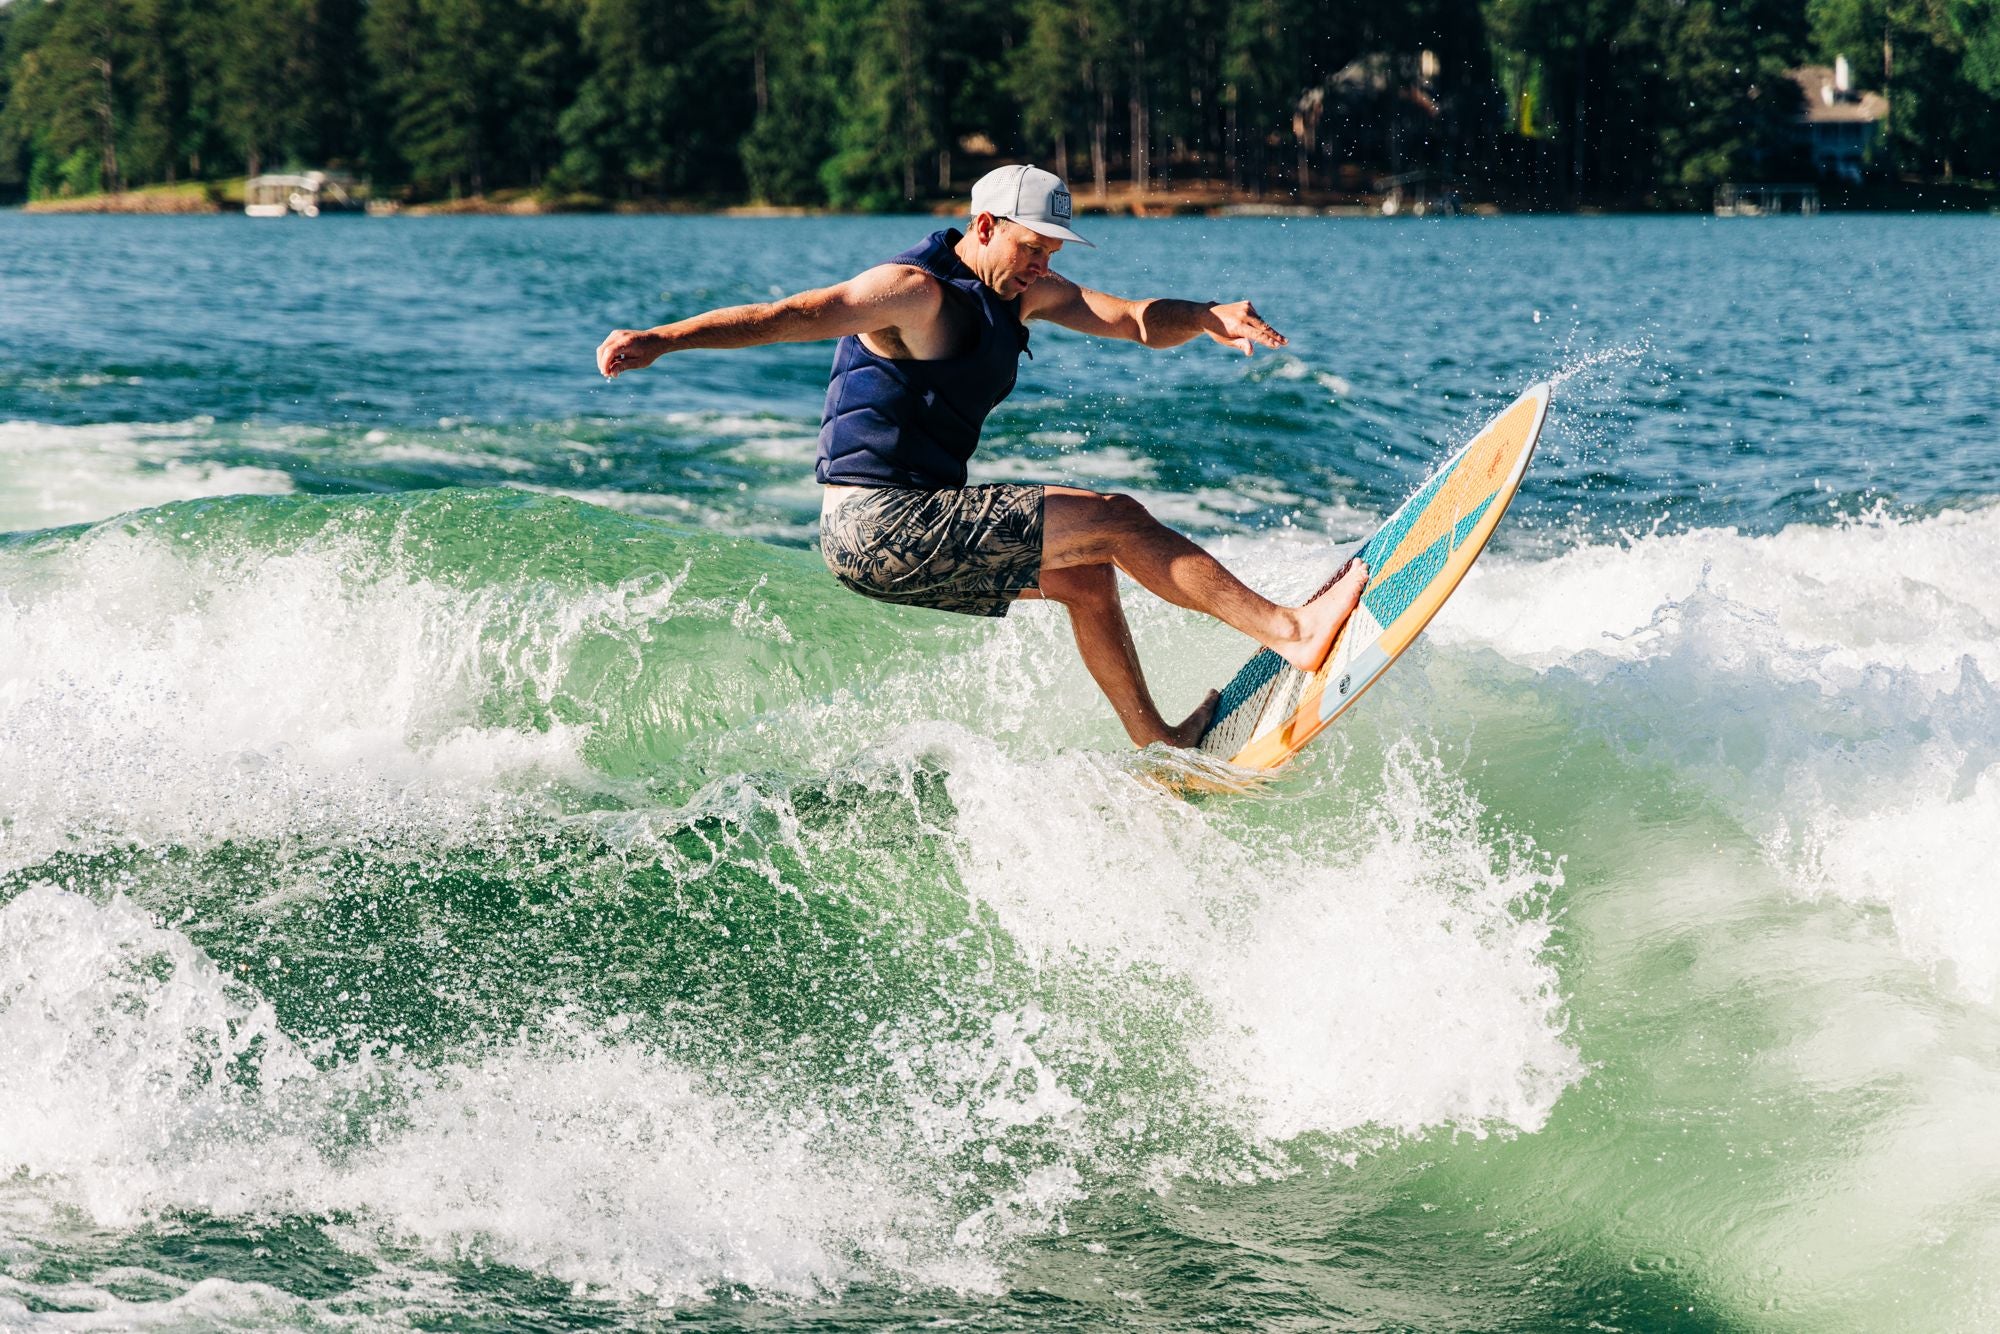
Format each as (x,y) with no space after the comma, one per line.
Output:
(1059,206)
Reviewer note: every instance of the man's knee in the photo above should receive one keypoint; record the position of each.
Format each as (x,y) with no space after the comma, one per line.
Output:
(1087,526)
(1081,585)
(1123,511)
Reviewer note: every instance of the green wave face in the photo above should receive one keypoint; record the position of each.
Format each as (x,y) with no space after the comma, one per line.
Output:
(496,890)
(398,829)
(476,612)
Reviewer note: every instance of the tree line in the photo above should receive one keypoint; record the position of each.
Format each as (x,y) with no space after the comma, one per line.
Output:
(888,103)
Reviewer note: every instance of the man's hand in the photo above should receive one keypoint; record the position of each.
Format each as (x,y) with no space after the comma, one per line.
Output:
(628,350)
(1238,325)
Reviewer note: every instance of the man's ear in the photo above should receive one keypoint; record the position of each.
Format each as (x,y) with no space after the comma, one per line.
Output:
(983,228)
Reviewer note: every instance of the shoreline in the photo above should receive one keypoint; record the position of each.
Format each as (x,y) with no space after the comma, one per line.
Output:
(173,201)
(225,197)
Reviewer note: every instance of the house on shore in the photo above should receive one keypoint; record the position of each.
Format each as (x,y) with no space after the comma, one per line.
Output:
(1839,126)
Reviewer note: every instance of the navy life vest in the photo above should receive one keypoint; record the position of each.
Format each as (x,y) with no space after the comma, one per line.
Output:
(891,422)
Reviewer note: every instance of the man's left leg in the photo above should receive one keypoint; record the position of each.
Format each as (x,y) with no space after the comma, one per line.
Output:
(1090,594)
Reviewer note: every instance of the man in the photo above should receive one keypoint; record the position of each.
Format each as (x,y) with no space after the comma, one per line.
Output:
(929,343)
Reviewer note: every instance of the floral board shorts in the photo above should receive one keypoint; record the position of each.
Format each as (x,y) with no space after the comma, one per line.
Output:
(972,550)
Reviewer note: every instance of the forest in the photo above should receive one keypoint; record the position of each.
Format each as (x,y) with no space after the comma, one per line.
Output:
(892,104)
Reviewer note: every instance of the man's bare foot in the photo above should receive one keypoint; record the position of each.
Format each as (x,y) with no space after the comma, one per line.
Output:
(1320,620)
(1189,732)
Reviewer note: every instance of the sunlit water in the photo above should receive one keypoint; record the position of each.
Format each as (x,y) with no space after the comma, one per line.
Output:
(462,860)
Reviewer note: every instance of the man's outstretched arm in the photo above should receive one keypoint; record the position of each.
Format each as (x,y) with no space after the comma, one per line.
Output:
(888,296)
(1157,322)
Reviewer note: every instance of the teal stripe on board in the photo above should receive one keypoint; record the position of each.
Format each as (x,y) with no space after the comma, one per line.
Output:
(1391,534)
(1392,596)
(1245,684)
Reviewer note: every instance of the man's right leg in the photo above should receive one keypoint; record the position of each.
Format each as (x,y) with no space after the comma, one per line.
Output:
(1089,593)
(1085,528)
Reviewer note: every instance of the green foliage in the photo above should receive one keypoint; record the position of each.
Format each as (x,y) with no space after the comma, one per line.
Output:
(1063,74)
(895,103)
(1722,99)
(1658,99)
(470,86)
(664,103)
(889,114)
(252,60)
(793,93)
(14,164)
(1978,25)
(67,101)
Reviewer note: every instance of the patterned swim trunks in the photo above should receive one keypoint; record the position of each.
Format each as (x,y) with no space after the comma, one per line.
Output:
(971,550)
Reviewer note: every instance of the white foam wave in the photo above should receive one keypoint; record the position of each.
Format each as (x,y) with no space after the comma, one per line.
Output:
(749,428)
(56,475)
(210,1304)
(794,507)
(614,1171)
(1914,595)
(1079,464)
(1830,684)
(149,1083)
(1389,974)
(127,1052)
(153,691)
(790,448)
(1380,967)
(456,455)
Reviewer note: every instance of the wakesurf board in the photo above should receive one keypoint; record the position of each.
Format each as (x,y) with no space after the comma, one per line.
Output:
(1270,710)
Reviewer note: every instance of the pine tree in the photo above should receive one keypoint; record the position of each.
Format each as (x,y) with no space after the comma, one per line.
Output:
(1062,75)
(12,160)
(1723,101)
(667,98)
(889,123)
(793,95)
(253,60)
(70,97)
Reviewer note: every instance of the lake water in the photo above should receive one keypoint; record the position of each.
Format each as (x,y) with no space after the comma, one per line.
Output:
(463,862)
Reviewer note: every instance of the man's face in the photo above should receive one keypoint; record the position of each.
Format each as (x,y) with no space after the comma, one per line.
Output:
(1016,258)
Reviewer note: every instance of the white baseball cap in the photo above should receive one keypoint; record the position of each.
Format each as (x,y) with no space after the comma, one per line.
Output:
(1036,199)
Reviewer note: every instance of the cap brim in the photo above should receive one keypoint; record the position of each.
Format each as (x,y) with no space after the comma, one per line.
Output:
(1051,230)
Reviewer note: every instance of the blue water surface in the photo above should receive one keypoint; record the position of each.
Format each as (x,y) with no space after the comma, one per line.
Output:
(1743,372)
